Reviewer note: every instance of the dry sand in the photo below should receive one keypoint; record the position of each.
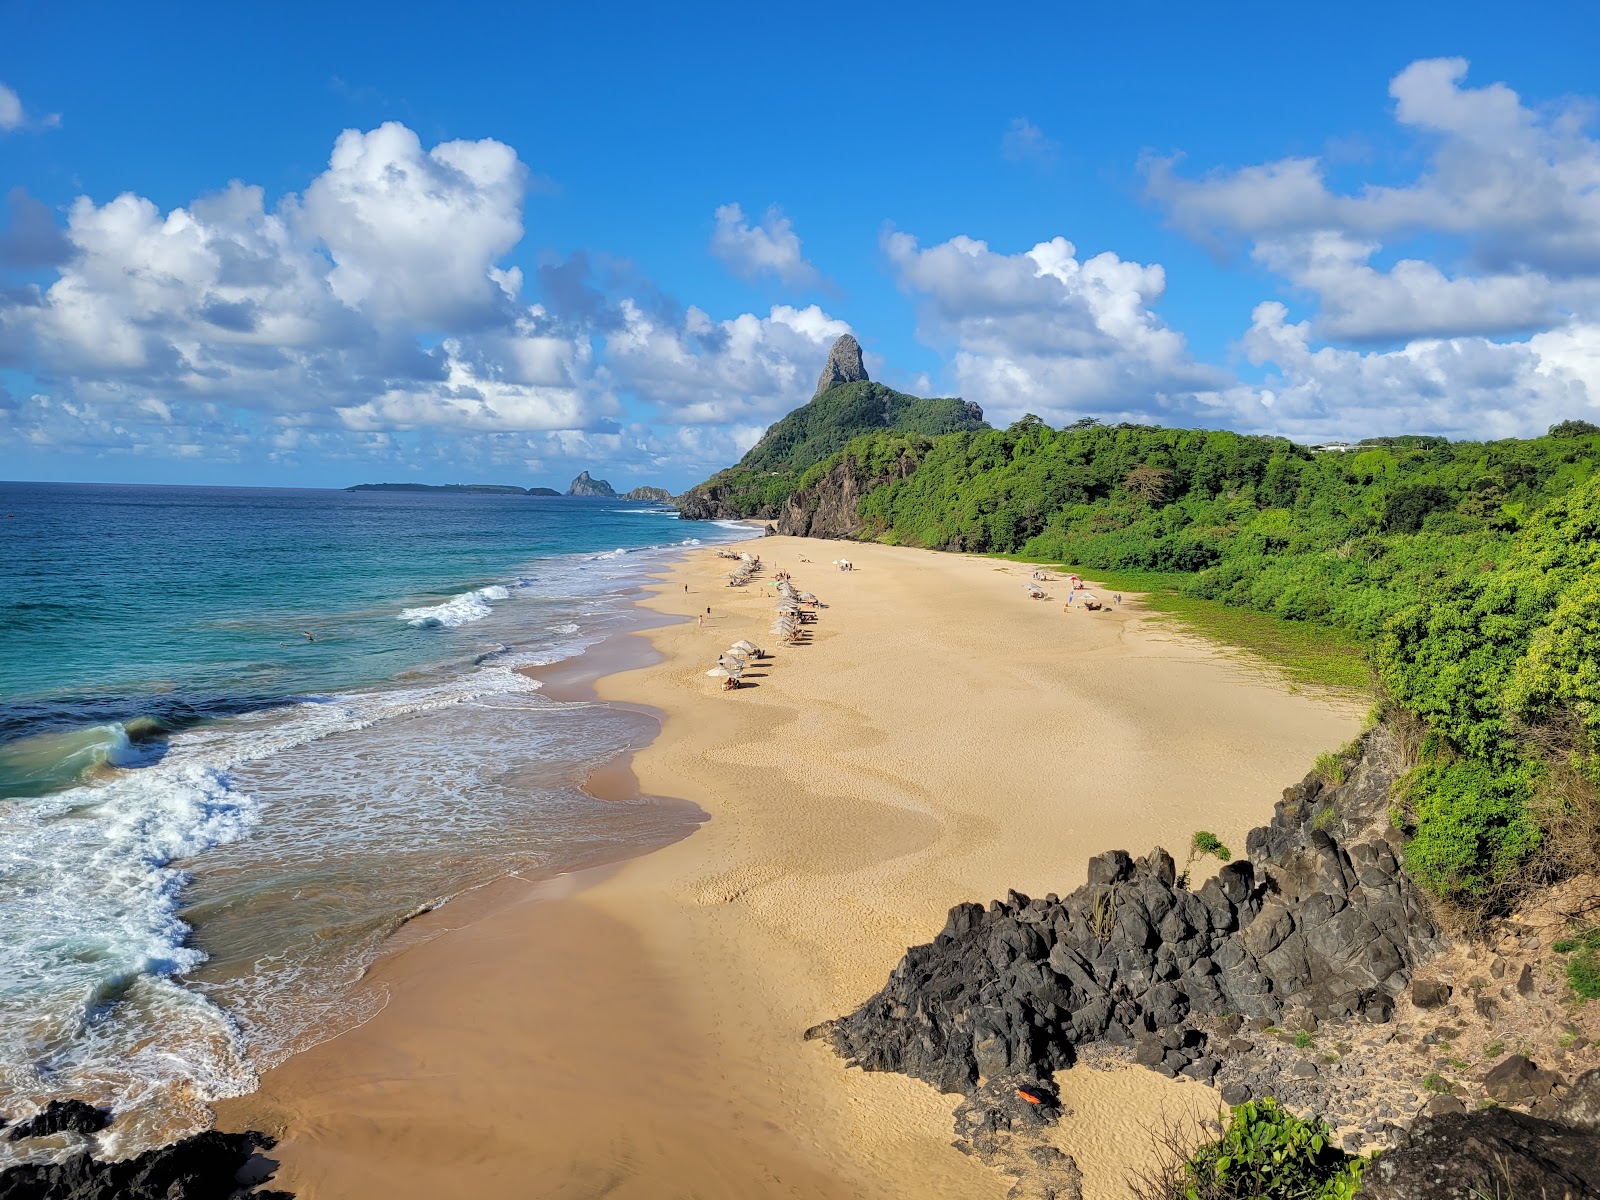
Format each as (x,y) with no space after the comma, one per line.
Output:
(637,1033)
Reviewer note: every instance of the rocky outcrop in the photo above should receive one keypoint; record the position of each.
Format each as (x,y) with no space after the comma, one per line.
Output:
(844,365)
(828,508)
(1317,921)
(1495,1152)
(710,502)
(207,1166)
(587,485)
(62,1116)
(654,494)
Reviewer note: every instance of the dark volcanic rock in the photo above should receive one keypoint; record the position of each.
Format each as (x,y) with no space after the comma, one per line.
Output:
(203,1167)
(61,1116)
(1318,923)
(1492,1152)
(844,365)
(1429,993)
(1517,1080)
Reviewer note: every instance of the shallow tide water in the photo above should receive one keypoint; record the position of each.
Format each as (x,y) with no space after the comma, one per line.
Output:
(244,735)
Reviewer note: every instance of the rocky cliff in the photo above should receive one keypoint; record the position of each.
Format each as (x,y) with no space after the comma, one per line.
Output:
(655,494)
(1317,920)
(587,485)
(844,365)
(827,507)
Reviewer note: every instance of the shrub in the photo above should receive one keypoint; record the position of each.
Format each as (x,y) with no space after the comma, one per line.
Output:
(1473,828)
(1304,1040)
(1265,1152)
(1208,843)
(1330,768)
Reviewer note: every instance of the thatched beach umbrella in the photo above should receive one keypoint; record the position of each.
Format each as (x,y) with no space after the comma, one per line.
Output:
(748,647)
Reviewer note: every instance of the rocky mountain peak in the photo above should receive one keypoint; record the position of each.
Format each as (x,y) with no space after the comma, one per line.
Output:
(586,485)
(844,365)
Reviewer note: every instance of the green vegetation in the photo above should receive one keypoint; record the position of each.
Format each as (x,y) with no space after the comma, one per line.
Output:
(1438,1083)
(765,477)
(1583,968)
(1304,1040)
(1208,843)
(1462,578)
(1264,1153)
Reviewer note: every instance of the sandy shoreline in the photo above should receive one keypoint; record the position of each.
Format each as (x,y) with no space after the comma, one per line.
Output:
(637,1031)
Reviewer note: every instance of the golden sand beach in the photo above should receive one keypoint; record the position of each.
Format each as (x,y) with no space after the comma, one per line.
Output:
(637,1032)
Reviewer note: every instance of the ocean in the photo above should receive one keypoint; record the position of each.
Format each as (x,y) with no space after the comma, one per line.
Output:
(246,734)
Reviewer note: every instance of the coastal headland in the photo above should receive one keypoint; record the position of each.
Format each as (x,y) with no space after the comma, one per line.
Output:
(638,1031)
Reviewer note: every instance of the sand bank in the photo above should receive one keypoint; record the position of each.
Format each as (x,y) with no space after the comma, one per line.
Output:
(637,1033)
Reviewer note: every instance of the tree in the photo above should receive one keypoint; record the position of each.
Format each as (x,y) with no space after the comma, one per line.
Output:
(1153,485)
(1572,429)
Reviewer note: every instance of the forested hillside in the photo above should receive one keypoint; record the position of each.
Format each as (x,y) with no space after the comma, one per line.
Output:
(1470,571)
(765,477)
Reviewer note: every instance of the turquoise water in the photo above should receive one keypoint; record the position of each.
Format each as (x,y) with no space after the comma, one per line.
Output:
(210,822)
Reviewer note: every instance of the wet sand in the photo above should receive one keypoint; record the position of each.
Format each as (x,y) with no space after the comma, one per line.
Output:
(636,1031)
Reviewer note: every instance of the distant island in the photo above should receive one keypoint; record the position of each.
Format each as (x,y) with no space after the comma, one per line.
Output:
(470,489)
(585,485)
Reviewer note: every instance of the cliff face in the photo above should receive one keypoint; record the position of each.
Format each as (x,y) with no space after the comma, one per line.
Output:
(828,508)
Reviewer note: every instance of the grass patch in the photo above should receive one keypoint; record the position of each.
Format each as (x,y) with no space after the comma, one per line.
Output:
(1304,1040)
(1494,1049)
(1305,652)
(1583,973)
(1438,1083)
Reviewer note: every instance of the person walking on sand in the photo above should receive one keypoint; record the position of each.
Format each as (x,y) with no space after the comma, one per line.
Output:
(1117,598)
(708,610)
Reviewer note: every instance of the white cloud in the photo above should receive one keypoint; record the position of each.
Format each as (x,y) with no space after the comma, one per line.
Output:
(1044,333)
(1026,142)
(700,371)
(1460,387)
(1517,189)
(14,117)
(771,247)
(415,236)
(10,109)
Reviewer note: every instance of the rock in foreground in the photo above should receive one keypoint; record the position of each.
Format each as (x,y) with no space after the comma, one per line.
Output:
(204,1167)
(1319,920)
(1496,1152)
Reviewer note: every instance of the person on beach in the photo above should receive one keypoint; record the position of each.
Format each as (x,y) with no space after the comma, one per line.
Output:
(1116,598)
(708,610)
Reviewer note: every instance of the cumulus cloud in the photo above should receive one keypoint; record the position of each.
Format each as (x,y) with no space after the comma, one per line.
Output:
(1517,188)
(1478,280)
(1042,332)
(375,314)
(743,372)
(1026,142)
(770,248)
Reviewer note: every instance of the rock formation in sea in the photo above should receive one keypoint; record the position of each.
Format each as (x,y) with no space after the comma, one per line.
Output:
(586,485)
(844,365)
(655,494)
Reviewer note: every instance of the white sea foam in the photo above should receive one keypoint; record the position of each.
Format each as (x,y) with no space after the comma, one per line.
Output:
(458,610)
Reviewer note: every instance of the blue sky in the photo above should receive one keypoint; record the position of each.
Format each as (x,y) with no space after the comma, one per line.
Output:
(312,248)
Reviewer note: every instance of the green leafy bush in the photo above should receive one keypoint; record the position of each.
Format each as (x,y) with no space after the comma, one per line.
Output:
(1208,843)
(1264,1153)
(1473,827)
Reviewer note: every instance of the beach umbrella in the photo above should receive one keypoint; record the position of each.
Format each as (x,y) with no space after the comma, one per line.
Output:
(747,646)
(808,597)
(722,673)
